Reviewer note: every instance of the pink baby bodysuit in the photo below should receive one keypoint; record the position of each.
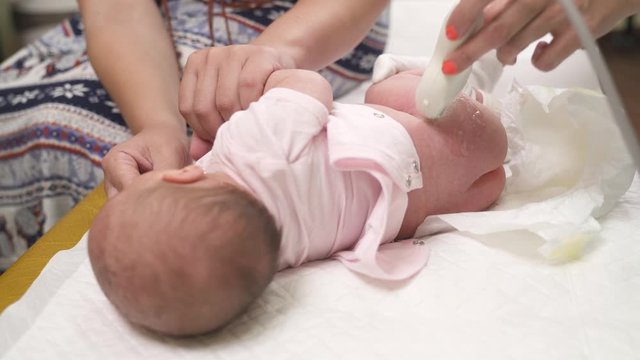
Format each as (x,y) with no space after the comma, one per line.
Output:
(336,183)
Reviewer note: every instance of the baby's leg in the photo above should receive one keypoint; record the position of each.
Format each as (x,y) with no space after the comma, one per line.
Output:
(462,159)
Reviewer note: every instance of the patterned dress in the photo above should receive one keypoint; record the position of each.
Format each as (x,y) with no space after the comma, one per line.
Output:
(57,121)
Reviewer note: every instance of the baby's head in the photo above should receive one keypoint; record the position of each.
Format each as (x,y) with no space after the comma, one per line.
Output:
(183,252)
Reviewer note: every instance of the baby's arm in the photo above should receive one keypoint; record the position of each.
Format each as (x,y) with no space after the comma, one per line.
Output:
(305,81)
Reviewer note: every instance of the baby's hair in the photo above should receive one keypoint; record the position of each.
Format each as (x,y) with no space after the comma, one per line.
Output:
(191,242)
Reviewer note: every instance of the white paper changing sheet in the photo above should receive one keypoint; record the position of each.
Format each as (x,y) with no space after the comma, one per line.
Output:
(485,293)
(476,299)
(472,301)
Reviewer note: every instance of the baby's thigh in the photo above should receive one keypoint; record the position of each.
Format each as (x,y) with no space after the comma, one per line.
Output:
(463,156)
(474,140)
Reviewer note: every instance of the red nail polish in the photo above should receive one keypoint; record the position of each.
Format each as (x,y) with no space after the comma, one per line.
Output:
(451,33)
(449,68)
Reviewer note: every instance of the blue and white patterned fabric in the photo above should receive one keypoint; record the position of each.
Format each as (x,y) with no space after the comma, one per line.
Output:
(57,121)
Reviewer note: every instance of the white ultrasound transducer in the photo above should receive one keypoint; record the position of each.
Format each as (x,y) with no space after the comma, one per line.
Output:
(436,90)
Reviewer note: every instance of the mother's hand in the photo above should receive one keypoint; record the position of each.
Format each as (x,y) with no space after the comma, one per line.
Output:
(219,81)
(511,25)
(150,149)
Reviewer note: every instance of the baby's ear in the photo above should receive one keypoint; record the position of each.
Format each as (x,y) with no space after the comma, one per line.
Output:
(186,175)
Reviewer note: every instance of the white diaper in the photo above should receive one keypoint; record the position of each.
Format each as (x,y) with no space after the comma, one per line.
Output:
(567,167)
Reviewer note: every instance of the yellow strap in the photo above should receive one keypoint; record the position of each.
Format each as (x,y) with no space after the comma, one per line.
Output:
(64,235)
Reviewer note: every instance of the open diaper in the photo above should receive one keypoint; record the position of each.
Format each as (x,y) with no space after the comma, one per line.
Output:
(566,166)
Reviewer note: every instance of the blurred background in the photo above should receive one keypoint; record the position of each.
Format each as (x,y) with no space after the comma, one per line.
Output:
(22,21)
(621,49)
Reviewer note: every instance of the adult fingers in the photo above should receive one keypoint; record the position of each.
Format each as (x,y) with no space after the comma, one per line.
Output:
(206,118)
(227,100)
(551,18)
(547,57)
(109,189)
(253,78)
(199,147)
(188,85)
(463,17)
(120,170)
(495,8)
(171,156)
(495,34)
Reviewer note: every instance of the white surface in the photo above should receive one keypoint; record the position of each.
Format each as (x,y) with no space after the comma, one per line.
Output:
(474,300)
(471,302)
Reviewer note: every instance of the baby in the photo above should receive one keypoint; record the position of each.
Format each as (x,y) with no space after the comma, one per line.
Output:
(294,178)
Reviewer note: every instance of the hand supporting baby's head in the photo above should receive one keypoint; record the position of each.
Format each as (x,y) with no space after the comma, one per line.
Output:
(183,258)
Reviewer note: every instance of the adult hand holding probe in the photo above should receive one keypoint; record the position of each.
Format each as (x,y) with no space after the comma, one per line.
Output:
(511,25)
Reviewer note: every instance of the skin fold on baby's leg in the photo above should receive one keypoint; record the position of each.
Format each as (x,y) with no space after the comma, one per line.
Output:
(461,154)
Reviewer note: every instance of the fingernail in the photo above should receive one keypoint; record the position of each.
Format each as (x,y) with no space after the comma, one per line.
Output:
(539,50)
(451,32)
(449,67)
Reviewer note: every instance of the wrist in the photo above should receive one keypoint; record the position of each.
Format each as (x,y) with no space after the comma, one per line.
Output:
(168,136)
(163,122)
(289,56)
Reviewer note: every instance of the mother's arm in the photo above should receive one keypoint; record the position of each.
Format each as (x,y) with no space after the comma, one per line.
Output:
(133,55)
(222,80)
(315,33)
